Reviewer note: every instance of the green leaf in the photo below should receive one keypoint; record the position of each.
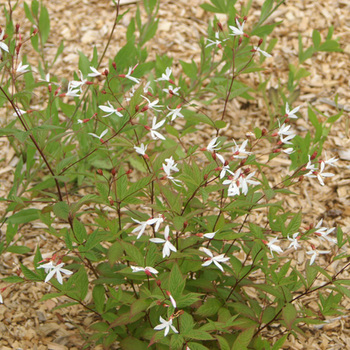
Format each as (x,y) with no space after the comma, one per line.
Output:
(79,231)
(29,274)
(209,308)
(133,253)
(18,249)
(44,24)
(13,279)
(115,252)
(131,343)
(176,282)
(98,295)
(243,339)
(24,216)
(316,38)
(61,210)
(289,314)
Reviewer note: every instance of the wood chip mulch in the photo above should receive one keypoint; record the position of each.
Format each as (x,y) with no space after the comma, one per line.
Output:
(27,323)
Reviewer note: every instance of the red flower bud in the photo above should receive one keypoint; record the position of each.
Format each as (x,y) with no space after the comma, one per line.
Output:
(89,83)
(35,31)
(314,155)
(220,26)
(137,108)
(245,18)
(185,224)
(277,150)
(260,42)
(114,65)
(105,72)
(129,171)
(111,201)
(17,28)
(113,171)
(49,87)
(99,172)
(243,161)
(144,109)
(103,92)
(263,131)
(159,283)
(240,41)
(171,81)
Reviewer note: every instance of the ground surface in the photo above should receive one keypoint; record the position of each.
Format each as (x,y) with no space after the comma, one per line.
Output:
(26,323)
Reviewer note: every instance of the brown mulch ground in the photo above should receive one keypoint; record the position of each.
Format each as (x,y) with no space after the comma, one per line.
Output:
(26,323)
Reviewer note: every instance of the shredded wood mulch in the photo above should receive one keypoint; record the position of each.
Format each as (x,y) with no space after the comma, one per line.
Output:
(27,323)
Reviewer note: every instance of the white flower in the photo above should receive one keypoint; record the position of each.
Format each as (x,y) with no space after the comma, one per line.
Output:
(54,269)
(288,150)
(239,29)
(95,72)
(172,91)
(264,53)
(22,69)
(216,42)
(19,111)
(72,92)
(1,300)
(240,151)
(172,300)
(291,114)
(153,105)
(213,145)
(3,46)
(323,232)
(165,325)
(103,133)
(273,247)
(168,168)
(315,252)
(147,270)
(294,241)
(155,134)
(210,235)
(141,150)
(142,226)
(158,221)
(174,113)
(147,87)
(319,173)
(110,110)
(76,83)
(170,165)
(225,168)
(168,246)
(128,75)
(166,76)
(214,259)
(331,161)
(47,78)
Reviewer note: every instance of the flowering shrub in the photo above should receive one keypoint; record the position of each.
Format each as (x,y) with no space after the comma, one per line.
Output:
(172,251)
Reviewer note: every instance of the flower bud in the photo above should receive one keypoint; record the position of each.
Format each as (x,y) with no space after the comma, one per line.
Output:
(314,155)
(49,87)
(246,171)
(245,18)
(17,28)
(103,92)
(213,155)
(263,132)
(277,150)
(99,172)
(205,176)
(301,178)
(114,65)
(113,171)
(144,109)
(35,31)
(105,72)
(220,26)
(18,47)
(240,41)
(171,81)
(137,107)
(129,172)
(243,161)
(159,283)
(260,42)
(185,224)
